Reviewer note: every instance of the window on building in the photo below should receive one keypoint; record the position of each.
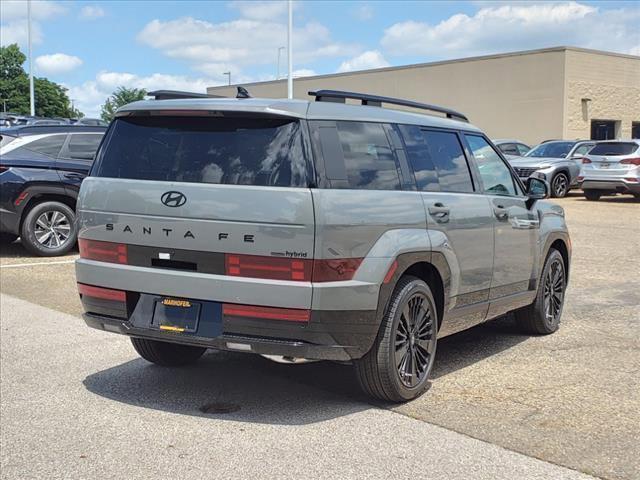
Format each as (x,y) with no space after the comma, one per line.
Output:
(635,129)
(369,160)
(603,129)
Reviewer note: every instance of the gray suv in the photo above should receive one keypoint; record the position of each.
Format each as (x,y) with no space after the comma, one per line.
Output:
(312,231)
(557,161)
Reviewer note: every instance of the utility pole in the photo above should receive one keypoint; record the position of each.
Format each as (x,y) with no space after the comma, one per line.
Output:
(290,51)
(278,74)
(228,74)
(32,101)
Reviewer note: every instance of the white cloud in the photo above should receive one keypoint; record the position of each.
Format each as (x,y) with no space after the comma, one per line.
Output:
(303,72)
(91,95)
(261,10)
(56,63)
(13,17)
(91,12)
(213,48)
(364,61)
(363,12)
(517,26)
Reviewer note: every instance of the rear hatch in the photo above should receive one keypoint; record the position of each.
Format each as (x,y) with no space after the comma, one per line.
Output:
(219,194)
(610,160)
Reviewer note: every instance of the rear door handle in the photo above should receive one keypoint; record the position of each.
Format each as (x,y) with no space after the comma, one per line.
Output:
(501,213)
(439,212)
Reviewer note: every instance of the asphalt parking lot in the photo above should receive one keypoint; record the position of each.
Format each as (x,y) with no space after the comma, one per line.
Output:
(78,403)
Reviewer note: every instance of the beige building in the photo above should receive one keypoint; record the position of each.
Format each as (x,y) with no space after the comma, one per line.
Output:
(561,92)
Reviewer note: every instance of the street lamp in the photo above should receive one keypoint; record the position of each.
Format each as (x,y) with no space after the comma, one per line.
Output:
(278,74)
(228,74)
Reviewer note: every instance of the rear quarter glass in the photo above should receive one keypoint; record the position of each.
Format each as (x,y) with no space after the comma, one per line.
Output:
(261,151)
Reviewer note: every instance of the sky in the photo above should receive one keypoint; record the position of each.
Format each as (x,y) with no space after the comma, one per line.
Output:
(93,47)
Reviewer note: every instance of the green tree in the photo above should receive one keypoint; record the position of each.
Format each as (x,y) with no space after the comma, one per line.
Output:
(51,99)
(120,97)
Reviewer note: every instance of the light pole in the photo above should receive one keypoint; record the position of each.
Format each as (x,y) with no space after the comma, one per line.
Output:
(228,74)
(32,102)
(278,74)
(290,52)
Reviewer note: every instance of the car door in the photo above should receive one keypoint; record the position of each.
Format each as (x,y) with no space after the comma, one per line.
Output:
(515,227)
(76,158)
(459,215)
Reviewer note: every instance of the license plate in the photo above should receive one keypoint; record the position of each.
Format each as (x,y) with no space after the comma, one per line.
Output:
(176,315)
(604,165)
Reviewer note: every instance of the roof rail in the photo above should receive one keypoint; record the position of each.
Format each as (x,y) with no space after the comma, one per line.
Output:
(339,96)
(176,94)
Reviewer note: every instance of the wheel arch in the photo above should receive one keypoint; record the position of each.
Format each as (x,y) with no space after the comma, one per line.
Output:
(39,197)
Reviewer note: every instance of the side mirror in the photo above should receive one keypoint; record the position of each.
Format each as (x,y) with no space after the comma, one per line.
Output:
(537,189)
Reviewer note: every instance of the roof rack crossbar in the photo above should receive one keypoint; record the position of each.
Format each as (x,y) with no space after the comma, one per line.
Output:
(376,100)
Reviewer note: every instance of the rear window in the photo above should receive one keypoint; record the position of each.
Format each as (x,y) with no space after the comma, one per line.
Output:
(266,151)
(613,149)
(49,145)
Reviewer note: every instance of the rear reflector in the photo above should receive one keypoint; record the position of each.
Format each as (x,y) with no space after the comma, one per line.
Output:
(630,180)
(630,161)
(586,160)
(102,293)
(103,251)
(579,179)
(278,268)
(269,313)
(391,272)
(21,198)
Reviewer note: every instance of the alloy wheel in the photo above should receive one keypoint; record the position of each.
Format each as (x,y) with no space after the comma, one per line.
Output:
(415,341)
(560,185)
(554,284)
(52,229)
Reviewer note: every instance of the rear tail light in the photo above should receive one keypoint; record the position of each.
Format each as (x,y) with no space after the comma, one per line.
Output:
(274,268)
(586,160)
(3,169)
(630,161)
(102,251)
(102,293)
(304,270)
(268,313)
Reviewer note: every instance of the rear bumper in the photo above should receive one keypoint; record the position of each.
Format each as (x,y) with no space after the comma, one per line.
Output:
(610,185)
(339,336)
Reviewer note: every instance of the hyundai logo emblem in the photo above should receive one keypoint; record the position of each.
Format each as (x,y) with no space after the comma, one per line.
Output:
(173,199)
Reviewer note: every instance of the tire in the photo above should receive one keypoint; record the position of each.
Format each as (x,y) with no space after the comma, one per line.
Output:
(7,238)
(592,195)
(60,240)
(166,354)
(541,317)
(560,185)
(379,372)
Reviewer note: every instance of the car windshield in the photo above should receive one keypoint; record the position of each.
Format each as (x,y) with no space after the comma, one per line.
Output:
(551,150)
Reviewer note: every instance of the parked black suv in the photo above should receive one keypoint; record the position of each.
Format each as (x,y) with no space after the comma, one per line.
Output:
(41,168)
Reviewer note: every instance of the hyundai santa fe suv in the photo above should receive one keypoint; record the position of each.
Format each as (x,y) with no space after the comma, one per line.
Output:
(312,230)
(611,167)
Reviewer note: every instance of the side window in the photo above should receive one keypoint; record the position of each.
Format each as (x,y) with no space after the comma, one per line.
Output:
(49,145)
(508,149)
(437,157)
(420,158)
(369,161)
(83,146)
(495,175)
(522,149)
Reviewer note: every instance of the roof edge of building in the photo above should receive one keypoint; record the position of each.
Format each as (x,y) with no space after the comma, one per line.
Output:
(441,62)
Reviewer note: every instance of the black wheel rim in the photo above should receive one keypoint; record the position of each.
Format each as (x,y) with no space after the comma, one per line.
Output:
(554,292)
(415,341)
(52,229)
(560,185)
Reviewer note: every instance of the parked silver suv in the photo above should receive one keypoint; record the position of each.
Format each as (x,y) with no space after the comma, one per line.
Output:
(611,167)
(312,230)
(557,161)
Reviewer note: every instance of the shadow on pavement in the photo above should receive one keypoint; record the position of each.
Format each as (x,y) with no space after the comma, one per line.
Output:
(253,389)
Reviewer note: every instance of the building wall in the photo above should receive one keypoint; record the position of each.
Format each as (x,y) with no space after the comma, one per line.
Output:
(517,95)
(612,82)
